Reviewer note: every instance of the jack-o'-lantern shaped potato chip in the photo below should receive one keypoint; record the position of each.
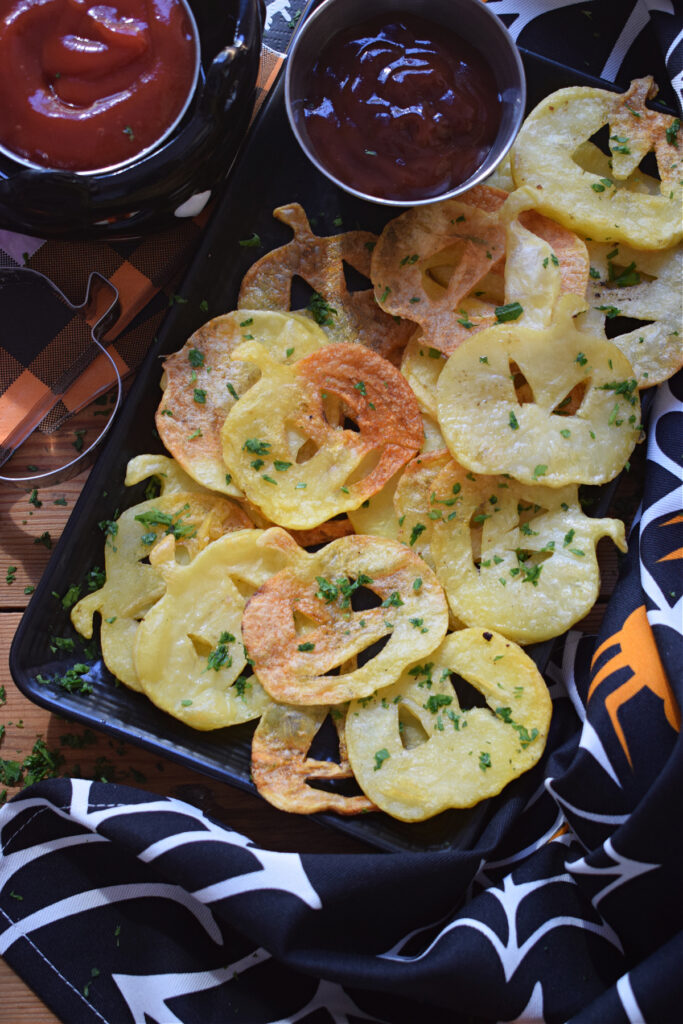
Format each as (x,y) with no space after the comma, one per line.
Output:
(638,286)
(549,156)
(302,625)
(470,259)
(281,767)
(514,557)
(416,751)
(188,652)
(551,406)
(291,445)
(132,584)
(202,383)
(344,315)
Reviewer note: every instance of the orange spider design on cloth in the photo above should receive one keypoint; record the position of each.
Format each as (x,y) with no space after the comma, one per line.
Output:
(635,648)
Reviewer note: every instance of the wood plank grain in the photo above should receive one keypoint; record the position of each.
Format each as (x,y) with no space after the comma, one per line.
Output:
(19,1005)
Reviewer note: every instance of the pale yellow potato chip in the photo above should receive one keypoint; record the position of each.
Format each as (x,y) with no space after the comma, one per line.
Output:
(517,558)
(576,421)
(281,768)
(202,383)
(188,651)
(294,457)
(606,208)
(638,285)
(417,504)
(376,517)
(421,366)
(132,584)
(416,752)
(301,626)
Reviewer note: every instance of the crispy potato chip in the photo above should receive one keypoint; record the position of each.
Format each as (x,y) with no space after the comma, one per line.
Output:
(301,625)
(351,316)
(377,517)
(132,585)
(281,769)
(188,651)
(491,425)
(417,505)
(202,383)
(640,286)
(416,751)
(515,557)
(607,208)
(428,259)
(452,284)
(290,442)
(421,366)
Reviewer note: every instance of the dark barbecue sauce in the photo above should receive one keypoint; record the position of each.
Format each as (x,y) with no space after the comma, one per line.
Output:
(401,108)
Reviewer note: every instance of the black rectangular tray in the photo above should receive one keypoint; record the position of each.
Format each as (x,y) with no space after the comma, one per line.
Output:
(270,171)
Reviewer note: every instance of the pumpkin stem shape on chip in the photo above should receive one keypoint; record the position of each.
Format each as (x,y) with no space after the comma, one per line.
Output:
(551,406)
(345,315)
(517,558)
(311,441)
(609,207)
(416,752)
(281,767)
(302,625)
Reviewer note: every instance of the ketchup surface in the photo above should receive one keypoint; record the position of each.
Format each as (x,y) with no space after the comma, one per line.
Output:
(401,108)
(85,85)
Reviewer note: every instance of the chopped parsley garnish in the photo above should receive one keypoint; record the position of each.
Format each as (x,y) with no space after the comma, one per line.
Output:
(484,760)
(393,601)
(628,389)
(437,701)
(320,310)
(380,757)
(200,396)
(514,425)
(416,532)
(173,523)
(195,357)
(250,243)
(540,470)
(672,132)
(512,311)
(609,311)
(306,647)
(220,657)
(256,447)
(281,466)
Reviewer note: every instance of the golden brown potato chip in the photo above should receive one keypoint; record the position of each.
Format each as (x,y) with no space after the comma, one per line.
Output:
(188,651)
(607,208)
(290,442)
(514,557)
(281,768)
(351,316)
(202,383)
(301,625)
(428,259)
(132,584)
(453,282)
(416,751)
(640,286)
(491,426)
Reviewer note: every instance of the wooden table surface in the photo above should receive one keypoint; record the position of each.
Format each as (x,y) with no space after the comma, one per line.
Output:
(30,524)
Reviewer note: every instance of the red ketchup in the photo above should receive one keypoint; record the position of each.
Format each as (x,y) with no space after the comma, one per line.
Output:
(87,85)
(401,108)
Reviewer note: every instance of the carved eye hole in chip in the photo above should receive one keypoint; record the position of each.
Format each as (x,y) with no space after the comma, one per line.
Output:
(410,729)
(468,696)
(301,293)
(306,451)
(202,647)
(355,280)
(573,400)
(523,389)
(438,270)
(615,326)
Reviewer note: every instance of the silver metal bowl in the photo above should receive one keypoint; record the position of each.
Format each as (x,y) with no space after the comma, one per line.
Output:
(472,20)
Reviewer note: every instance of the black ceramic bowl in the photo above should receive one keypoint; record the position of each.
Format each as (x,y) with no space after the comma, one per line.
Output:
(177,177)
